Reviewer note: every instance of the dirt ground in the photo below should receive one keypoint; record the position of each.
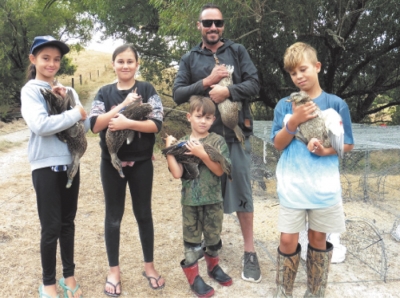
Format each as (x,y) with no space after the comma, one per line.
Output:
(20,270)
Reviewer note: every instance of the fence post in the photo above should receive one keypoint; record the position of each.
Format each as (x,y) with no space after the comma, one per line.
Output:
(72,82)
(80,79)
(90,75)
(98,73)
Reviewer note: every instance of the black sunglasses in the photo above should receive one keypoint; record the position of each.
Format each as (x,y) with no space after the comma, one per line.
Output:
(208,23)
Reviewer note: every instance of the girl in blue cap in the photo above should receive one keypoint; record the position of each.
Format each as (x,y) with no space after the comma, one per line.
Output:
(49,158)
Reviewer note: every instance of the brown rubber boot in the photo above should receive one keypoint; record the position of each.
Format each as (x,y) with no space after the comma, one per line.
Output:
(318,262)
(286,271)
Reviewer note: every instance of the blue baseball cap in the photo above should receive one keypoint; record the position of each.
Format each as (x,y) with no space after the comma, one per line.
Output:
(48,40)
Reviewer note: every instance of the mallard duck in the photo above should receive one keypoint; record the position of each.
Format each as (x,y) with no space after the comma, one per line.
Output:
(327,127)
(230,110)
(115,139)
(75,136)
(191,163)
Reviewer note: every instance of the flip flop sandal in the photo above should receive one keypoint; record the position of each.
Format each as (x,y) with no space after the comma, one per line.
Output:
(65,288)
(149,278)
(43,294)
(115,294)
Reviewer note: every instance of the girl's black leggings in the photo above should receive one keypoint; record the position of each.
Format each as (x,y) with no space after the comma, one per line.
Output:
(140,180)
(57,207)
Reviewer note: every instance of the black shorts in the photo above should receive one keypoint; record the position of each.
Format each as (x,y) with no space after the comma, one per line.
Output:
(237,193)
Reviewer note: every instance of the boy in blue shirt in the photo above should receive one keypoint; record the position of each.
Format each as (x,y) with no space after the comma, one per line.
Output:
(308,177)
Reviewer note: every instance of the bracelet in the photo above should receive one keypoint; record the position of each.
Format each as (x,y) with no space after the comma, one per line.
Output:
(289,131)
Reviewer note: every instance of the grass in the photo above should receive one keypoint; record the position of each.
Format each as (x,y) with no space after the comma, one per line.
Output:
(5,145)
(4,110)
(90,134)
(94,68)
(175,121)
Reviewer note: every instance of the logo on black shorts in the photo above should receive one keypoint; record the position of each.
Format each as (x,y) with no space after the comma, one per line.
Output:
(242,204)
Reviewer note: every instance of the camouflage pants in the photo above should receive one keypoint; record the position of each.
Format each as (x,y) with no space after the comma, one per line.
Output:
(202,220)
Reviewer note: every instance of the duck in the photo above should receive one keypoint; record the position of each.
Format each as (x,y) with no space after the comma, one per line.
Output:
(327,126)
(191,163)
(75,136)
(228,109)
(115,139)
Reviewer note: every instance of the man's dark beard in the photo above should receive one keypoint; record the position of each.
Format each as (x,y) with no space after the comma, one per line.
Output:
(212,42)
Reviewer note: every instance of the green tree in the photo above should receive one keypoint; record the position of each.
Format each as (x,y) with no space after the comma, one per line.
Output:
(25,19)
(357,41)
(135,22)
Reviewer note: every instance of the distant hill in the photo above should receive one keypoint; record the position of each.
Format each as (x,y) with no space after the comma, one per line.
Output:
(94,69)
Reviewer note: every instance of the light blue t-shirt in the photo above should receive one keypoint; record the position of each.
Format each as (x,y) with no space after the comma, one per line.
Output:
(306,180)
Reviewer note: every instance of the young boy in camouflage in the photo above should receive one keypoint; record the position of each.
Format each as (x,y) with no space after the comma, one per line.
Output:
(202,203)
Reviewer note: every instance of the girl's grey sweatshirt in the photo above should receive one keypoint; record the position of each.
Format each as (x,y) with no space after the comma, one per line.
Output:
(44,148)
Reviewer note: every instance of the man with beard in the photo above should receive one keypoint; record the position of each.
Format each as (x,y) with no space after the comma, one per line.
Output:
(199,73)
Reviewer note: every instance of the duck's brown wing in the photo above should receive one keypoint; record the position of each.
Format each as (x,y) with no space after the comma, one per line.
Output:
(190,171)
(115,139)
(218,157)
(54,101)
(69,101)
(137,111)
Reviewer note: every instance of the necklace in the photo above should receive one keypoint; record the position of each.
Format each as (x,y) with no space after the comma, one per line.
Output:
(120,87)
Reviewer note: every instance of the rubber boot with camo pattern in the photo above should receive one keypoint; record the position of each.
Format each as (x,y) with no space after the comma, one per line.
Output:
(318,262)
(286,271)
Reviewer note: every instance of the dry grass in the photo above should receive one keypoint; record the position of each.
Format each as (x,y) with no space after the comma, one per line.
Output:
(6,128)
(96,70)
(20,270)
(89,62)
(5,146)
(20,234)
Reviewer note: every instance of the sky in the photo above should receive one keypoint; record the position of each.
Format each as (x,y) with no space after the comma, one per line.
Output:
(107,46)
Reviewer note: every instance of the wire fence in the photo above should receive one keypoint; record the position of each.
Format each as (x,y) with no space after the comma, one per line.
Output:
(370,177)
(80,78)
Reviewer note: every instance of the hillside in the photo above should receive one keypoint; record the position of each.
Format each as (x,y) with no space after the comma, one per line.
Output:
(94,70)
